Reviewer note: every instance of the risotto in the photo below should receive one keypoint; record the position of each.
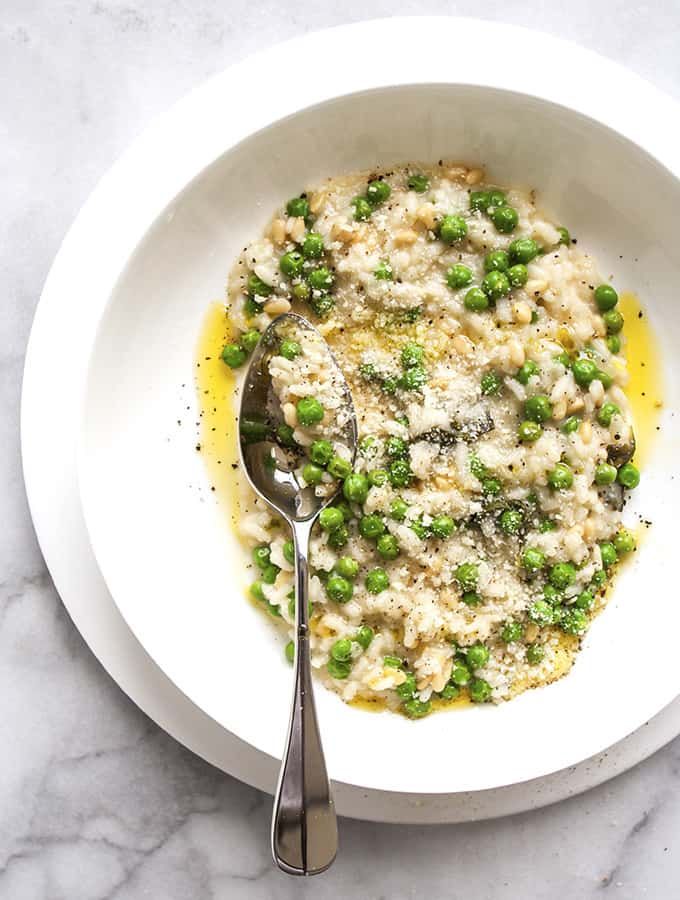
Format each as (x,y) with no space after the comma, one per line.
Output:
(474,537)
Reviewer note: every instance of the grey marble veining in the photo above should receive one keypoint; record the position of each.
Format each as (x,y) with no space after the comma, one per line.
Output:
(95,801)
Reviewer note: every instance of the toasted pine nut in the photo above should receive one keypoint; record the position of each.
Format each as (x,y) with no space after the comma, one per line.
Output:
(516,353)
(575,405)
(585,431)
(457,172)
(531,632)
(276,306)
(289,414)
(522,312)
(295,226)
(405,237)
(278,231)
(559,409)
(342,231)
(426,214)
(316,201)
(535,286)
(474,176)
(463,345)
(596,391)
(588,529)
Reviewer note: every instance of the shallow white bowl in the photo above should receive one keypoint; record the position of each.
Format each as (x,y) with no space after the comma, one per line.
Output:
(242,145)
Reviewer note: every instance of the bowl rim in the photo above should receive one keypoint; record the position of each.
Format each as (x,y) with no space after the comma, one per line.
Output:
(108,211)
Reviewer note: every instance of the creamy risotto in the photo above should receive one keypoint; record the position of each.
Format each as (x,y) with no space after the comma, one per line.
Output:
(472,541)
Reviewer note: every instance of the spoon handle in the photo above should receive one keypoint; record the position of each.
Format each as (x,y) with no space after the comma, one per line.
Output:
(304,826)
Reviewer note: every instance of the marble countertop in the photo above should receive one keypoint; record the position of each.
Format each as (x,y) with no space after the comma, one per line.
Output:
(96,801)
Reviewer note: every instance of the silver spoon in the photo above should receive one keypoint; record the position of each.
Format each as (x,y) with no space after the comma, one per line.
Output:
(304,826)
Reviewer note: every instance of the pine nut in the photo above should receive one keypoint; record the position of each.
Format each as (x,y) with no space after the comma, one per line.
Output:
(586,432)
(474,176)
(296,228)
(278,231)
(277,306)
(522,312)
(463,345)
(405,237)
(516,353)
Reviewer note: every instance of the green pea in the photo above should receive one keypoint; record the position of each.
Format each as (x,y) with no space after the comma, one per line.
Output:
(551,594)
(298,207)
(496,285)
(471,598)
(608,554)
(599,579)
(290,349)
(398,509)
(422,531)
(257,592)
(533,559)
(250,339)
(511,521)
(606,297)
(491,486)
(460,674)
(393,662)
(479,201)
(614,343)
(628,476)
(344,508)
(449,692)
(497,198)
(565,237)
(400,473)
(562,575)
(605,474)
(362,209)
(416,709)
(584,371)
(570,425)
(371,527)
(479,690)
(378,477)
(442,526)
(389,385)
(613,321)
(251,307)
(624,542)
(321,452)
(541,613)
(413,379)
(412,354)
(546,525)
(321,303)
(561,477)
(338,669)
(252,431)
(347,567)
(355,488)
(338,588)
(529,432)
(341,650)
(407,688)
(377,192)
(527,371)
(505,218)
(269,573)
(257,287)
(289,552)
(261,555)
(523,250)
(338,537)
(309,411)
(607,413)
(574,621)
(535,654)
(512,632)
(233,355)
(387,546)
(418,183)
(584,600)
(452,229)
(312,473)
(284,435)
(377,581)
(301,290)
(291,263)
(330,518)
(496,261)
(384,271)
(364,636)
(290,651)
(339,467)
(538,408)
(518,275)
(491,383)
(605,378)
(312,246)
(467,575)
(458,276)
(476,300)
(321,278)
(477,656)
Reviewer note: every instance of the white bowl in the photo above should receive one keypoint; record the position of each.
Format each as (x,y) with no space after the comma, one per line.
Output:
(172,564)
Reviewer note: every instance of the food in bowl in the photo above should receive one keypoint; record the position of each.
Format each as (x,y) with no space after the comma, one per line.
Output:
(481,526)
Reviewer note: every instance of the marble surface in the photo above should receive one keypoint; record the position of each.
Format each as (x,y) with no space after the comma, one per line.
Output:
(96,802)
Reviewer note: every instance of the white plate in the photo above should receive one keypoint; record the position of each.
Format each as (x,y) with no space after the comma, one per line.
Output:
(146,524)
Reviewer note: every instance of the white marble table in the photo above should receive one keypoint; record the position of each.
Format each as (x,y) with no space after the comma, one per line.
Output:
(95,801)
